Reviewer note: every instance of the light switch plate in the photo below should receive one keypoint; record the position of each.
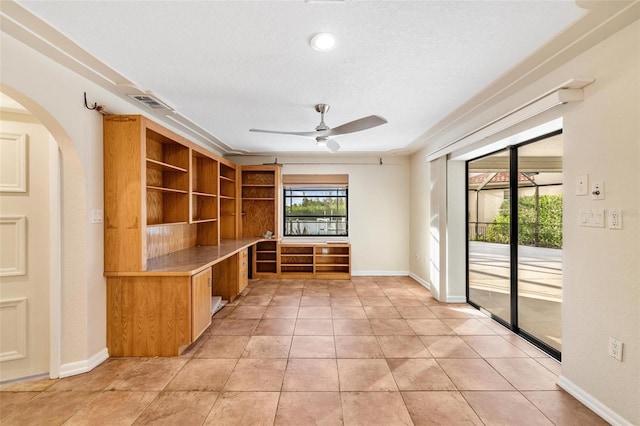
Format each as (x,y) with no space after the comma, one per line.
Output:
(582,185)
(97,216)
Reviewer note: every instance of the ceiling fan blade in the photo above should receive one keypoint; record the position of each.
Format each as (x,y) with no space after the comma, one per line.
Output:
(356,126)
(307,134)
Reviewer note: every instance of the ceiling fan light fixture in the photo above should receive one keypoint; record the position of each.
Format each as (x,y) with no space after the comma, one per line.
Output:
(322,142)
(323,42)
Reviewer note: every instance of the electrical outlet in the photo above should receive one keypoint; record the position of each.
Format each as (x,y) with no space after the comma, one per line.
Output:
(615,348)
(615,219)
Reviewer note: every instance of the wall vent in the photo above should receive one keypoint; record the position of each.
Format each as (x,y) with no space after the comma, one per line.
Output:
(151,101)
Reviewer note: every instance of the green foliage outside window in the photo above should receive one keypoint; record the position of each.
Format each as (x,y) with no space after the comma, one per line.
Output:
(546,232)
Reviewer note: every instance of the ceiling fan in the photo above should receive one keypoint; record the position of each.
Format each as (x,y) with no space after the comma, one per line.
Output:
(323,133)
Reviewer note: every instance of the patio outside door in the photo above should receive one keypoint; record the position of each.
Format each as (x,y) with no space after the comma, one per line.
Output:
(515,248)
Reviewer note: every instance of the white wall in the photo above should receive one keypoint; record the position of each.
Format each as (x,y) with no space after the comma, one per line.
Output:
(601,291)
(378,206)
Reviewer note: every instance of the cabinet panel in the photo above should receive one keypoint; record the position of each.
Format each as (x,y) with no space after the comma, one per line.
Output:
(243,270)
(148,316)
(200,303)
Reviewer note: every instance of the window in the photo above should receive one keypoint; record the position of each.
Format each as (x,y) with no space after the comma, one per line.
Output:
(315,205)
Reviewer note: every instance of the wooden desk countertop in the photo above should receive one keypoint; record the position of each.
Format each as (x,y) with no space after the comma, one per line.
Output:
(192,260)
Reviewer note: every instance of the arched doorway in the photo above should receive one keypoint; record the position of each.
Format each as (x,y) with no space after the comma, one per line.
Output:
(30,212)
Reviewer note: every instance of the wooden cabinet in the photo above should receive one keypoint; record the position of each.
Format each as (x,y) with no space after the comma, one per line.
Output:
(260,195)
(200,303)
(243,270)
(229,202)
(265,259)
(314,260)
(332,261)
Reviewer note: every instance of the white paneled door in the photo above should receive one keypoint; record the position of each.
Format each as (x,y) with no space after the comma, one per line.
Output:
(25,147)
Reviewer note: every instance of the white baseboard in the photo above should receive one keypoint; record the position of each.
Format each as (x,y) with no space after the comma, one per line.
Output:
(592,403)
(424,283)
(456,299)
(379,273)
(79,367)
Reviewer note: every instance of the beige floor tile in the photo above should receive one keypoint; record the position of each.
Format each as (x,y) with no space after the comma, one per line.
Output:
(439,409)
(375,301)
(308,312)
(525,373)
(505,408)
(358,347)
(316,292)
(352,327)
(374,291)
(493,347)
(202,375)
(286,300)
(150,375)
(261,300)
(419,374)
(309,408)
(391,327)
(117,407)
(403,347)
(374,409)
(49,408)
(257,375)
(224,312)
(473,374)
(275,327)
(267,347)
(345,301)
(313,327)
(353,312)
(98,378)
(563,409)
(34,384)
(396,292)
(223,347)
(496,326)
(456,311)
(365,375)
(178,408)
(289,291)
(281,312)
(313,347)
(448,347)
(314,301)
(524,346)
(550,364)
(236,327)
(15,401)
(468,326)
(311,375)
(384,312)
(415,312)
(248,312)
(340,293)
(398,301)
(429,327)
(244,408)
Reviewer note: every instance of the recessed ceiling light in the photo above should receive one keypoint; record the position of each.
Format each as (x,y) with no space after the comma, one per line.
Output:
(323,42)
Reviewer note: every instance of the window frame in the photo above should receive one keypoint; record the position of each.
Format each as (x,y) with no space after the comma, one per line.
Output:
(315,187)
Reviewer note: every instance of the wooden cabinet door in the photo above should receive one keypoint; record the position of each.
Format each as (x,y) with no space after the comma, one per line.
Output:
(243,270)
(200,303)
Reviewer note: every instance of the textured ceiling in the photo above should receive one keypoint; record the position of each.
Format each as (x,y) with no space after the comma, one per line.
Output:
(233,65)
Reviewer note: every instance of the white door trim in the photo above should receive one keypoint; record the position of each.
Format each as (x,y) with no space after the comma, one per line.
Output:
(55,260)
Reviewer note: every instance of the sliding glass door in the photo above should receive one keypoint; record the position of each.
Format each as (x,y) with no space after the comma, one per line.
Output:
(514,203)
(489,262)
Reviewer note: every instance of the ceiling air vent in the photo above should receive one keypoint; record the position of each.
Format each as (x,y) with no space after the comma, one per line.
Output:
(151,101)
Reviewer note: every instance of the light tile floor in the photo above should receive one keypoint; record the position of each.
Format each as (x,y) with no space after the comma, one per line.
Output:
(369,351)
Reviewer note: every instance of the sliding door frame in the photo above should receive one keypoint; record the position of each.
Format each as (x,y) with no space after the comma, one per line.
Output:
(513,245)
